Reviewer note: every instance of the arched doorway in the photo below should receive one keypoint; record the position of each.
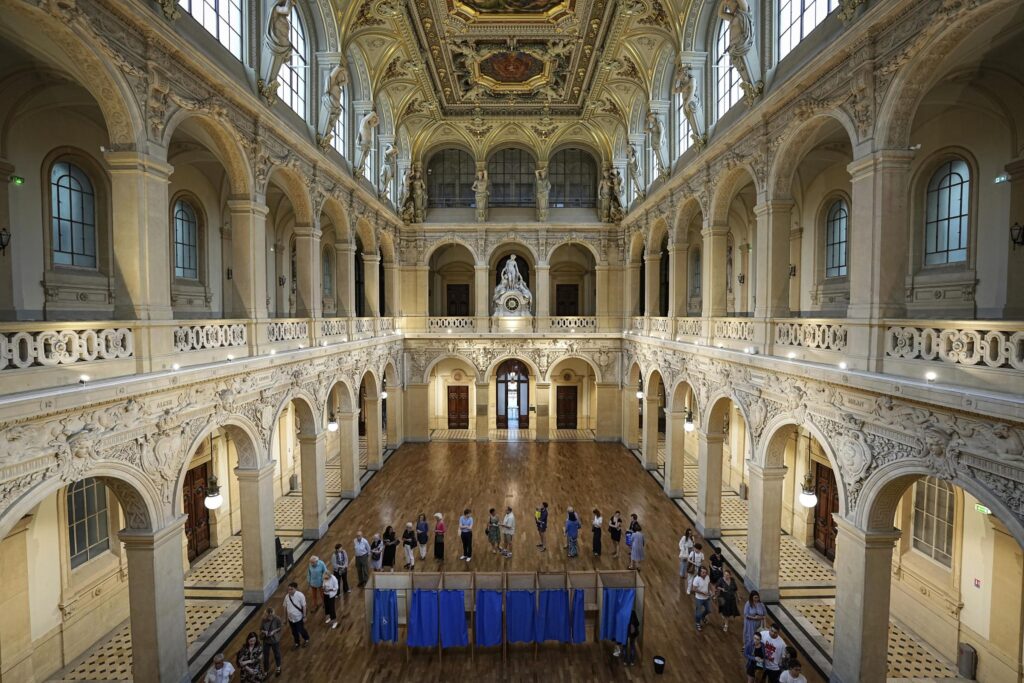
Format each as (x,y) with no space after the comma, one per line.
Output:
(513,397)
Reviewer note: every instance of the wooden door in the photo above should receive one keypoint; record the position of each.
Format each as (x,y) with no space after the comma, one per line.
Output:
(458,407)
(565,407)
(458,300)
(828,503)
(513,395)
(567,300)
(197,519)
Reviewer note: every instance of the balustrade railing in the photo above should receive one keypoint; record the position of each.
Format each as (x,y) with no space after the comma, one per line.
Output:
(978,343)
(689,327)
(76,343)
(659,327)
(737,329)
(826,335)
(571,323)
(638,325)
(362,328)
(287,330)
(214,335)
(451,323)
(334,327)
(385,325)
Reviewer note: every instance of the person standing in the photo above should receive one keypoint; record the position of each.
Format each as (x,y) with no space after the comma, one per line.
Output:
(694,560)
(330,589)
(774,650)
(717,563)
(339,565)
(493,530)
(390,548)
(220,672)
(702,596)
(409,546)
(754,615)
(636,549)
(615,532)
(439,530)
(792,673)
(542,524)
(376,552)
(362,552)
(315,577)
(422,535)
(270,631)
(250,660)
(466,534)
(634,522)
(754,653)
(632,633)
(508,531)
(685,546)
(295,612)
(572,533)
(595,526)
(726,589)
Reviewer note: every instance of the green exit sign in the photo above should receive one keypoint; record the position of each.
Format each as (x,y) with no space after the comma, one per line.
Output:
(978,507)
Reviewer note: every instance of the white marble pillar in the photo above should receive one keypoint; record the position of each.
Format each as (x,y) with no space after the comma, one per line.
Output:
(678,280)
(709,484)
(675,443)
(374,427)
(609,412)
(348,445)
(16,627)
(633,293)
(344,279)
(312,461)
(259,558)
(248,258)
(309,292)
(156,592)
(371,284)
(713,286)
(765,530)
(772,285)
(482,291)
(542,400)
(650,432)
(652,290)
(483,395)
(395,411)
(542,293)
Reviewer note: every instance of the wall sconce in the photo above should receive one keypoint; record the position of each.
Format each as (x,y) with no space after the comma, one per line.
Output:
(230,274)
(792,270)
(741,278)
(281,280)
(1016,236)
(214,499)
(5,239)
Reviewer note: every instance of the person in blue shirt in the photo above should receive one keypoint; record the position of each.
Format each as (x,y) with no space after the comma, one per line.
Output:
(572,533)
(315,577)
(466,534)
(542,524)
(422,535)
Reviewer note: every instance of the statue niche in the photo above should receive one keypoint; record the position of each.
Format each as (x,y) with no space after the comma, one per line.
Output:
(512,298)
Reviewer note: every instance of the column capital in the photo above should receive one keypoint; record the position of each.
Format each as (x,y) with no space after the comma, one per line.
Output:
(247,205)
(138,161)
(1014,168)
(255,473)
(875,539)
(772,205)
(767,472)
(702,435)
(715,230)
(312,438)
(371,258)
(145,538)
(307,231)
(883,158)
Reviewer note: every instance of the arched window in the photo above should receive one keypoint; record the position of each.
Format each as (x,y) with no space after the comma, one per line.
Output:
(728,91)
(88,520)
(221,18)
(684,132)
(450,175)
(695,274)
(573,176)
(836,225)
(186,241)
(293,73)
(338,138)
(512,179)
(932,526)
(73,216)
(946,221)
(797,18)
(326,274)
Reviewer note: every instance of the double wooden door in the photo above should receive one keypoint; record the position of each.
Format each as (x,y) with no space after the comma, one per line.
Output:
(828,503)
(458,407)
(197,517)
(458,300)
(565,407)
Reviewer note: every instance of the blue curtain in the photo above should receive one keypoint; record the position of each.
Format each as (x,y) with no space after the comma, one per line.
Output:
(579,624)
(385,616)
(553,616)
(519,617)
(618,605)
(423,619)
(487,632)
(453,619)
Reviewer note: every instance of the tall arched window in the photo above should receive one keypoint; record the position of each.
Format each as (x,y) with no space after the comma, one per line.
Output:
(797,18)
(293,73)
(684,132)
(73,216)
(338,138)
(326,274)
(88,520)
(186,241)
(836,225)
(512,179)
(573,176)
(221,18)
(450,174)
(946,223)
(695,274)
(727,91)
(932,526)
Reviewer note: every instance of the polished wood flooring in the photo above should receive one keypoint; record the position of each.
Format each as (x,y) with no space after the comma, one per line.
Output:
(448,477)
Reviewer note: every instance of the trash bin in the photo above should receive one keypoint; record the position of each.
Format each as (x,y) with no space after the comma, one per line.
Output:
(659,665)
(967,661)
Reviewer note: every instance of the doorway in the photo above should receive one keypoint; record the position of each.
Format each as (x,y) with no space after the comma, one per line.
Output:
(828,503)
(197,516)
(458,300)
(513,399)
(567,300)
(565,407)
(458,407)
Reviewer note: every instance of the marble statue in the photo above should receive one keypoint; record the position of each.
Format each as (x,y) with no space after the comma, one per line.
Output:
(604,199)
(543,191)
(330,103)
(633,169)
(481,193)
(366,127)
(742,54)
(387,171)
(652,124)
(512,283)
(278,46)
(686,87)
(616,212)
(419,195)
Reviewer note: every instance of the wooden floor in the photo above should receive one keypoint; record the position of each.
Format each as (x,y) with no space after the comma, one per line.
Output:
(448,477)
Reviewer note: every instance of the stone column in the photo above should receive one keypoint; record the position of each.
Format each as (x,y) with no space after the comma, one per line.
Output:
(609,412)
(259,557)
(650,433)
(765,530)
(344,263)
(371,284)
(652,291)
(395,410)
(863,566)
(416,421)
(772,284)
(312,461)
(8,308)
(633,293)
(248,258)
(16,626)
(374,452)
(483,290)
(348,445)
(140,232)
(392,302)
(675,443)
(307,262)
(542,400)
(679,278)
(1014,307)
(713,286)
(421,308)
(156,592)
(796,236)
(542,291)
(483,396)
(709,484)
(603,306)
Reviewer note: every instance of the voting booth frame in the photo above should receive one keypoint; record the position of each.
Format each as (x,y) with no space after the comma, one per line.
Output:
(592,583)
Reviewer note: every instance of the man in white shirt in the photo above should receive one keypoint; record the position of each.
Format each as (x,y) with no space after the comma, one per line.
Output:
(695,560)
(792,674)
(774,651)
(330,589)
(362,548)
(220,672)
(295,612)
(508,531)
